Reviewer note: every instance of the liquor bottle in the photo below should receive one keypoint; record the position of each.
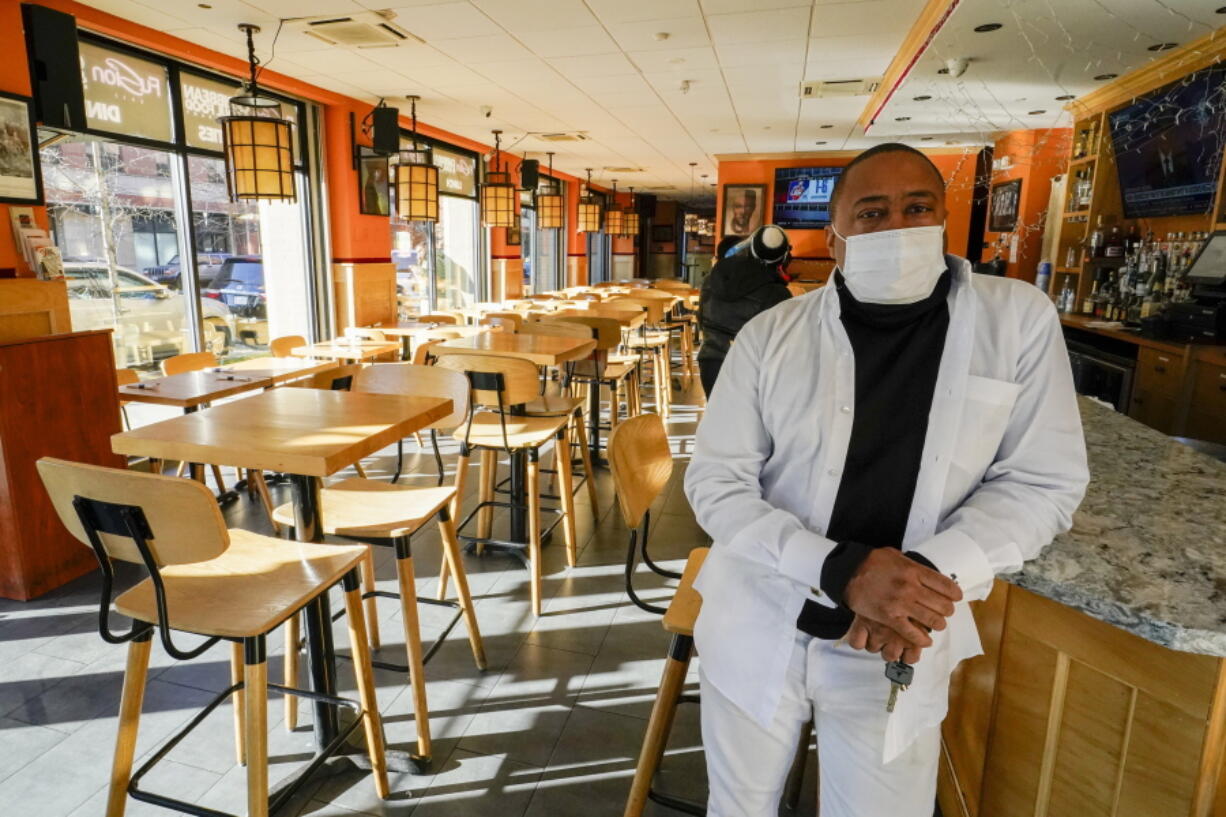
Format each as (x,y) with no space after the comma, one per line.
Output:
(1065,301)
(1079,147)
(1096,240)
(1134,239)
(1114,246)
(1070,257)
(1088,305)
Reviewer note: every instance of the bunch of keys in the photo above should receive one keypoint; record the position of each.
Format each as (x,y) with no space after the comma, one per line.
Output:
(900,676)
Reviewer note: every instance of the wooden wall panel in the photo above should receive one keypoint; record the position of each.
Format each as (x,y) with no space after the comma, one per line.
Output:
(31,308)
(1091,744)
(364,294)
(1163,756)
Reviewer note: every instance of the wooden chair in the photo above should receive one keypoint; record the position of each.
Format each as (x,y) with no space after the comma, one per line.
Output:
(372,333)
(604,368)
(422,355)
(284,345)
(642,463)
(338,379)
(654,345)
(126,377)
(230,585)
(679,621)
(504,385)
(510,321)
(189,362)
(386,514)
(438,317)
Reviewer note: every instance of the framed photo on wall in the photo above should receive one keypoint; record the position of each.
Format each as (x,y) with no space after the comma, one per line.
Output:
(744,208)
(663,233)
(374,187)
(21,180)
(1003,205)
(515,236)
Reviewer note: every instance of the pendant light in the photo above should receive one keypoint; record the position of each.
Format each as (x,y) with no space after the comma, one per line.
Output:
(631,220)
(549,203)
(416,178)
(498,194)
(257,140)
(691,218)
(614,217)
(589,208)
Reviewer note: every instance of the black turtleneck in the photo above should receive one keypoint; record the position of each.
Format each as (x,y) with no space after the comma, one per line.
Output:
(897,351)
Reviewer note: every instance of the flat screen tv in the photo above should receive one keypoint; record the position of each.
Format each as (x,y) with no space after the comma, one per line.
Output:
(1168,146)
(802,196)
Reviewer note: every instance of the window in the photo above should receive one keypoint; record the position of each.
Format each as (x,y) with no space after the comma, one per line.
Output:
(456,272)
(125,94)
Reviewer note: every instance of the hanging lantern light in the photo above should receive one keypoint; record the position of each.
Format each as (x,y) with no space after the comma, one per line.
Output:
(589,208)
(549,204)
(416,179)
(498,194)
(630,222)
(257,140)
(614,217)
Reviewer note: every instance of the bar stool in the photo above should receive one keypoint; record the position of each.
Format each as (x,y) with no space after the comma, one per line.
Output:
(387,515)
(230,585)
(654,344)
(284,345)
(620,376)
(642,463)
(504,386)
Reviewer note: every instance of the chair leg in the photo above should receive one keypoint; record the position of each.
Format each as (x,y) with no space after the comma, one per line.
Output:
(534,527)
(412,644)
(672,681)
(489,474)
(361,472)
(585,456)
(180,469)
(368,586)
(134,678)
(290,678)
(614,412)
(451,557)
(461,474)
(566,495)
(221,483)
(364,674)
(256,478)
(255,714)
(240,728)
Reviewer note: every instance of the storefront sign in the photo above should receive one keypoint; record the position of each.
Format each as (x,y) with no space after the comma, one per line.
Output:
(457,172)
(125,94)
(204,102)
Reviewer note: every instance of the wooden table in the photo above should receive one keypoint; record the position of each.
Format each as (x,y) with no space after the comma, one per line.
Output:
(343,350)
(190,390)
(280,369)
(543,350)
(310,434)
(409,331)
(627,319)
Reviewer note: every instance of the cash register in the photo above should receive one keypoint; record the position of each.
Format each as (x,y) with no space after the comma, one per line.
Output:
(1203,319)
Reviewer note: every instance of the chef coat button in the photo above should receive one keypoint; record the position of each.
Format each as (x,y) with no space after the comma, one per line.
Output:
(817,593)
(845,409)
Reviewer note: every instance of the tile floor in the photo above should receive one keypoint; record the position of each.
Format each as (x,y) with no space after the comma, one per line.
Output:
(552,728)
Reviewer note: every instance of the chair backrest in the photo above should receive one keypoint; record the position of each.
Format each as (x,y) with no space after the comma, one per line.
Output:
(608,284)
(670,284)
(586,296)
(423,354)
(412,380)
(558,329)
(285,345)
(339,378)
(437,317)
(641,462)
(184,519)
(190,362)
(366,333)
(655,308)
(126,377)
(508,320)
(520,380)
(606,331)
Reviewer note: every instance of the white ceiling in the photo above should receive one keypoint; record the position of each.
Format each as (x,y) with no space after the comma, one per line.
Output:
(601,67)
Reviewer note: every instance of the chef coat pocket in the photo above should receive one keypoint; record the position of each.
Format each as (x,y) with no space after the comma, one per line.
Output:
(985,418)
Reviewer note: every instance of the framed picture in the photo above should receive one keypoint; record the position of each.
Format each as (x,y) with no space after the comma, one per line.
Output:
(744,208)
(21,180)
(662,233)
(514,237)
(374,188)
(1003,204)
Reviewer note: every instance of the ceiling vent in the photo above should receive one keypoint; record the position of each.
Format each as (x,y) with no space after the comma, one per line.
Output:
(838,88)
(623,170)
(365,29)
(564,136)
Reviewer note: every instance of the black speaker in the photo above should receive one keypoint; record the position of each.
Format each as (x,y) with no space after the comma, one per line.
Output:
(385,130)
(529,174)
(55,67)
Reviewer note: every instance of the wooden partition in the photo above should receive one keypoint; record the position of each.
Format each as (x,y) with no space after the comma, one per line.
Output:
(58,398)
(30,308)
(1067,715)
(364,294)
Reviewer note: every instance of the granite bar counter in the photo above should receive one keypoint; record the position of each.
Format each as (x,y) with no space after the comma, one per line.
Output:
(1102,688)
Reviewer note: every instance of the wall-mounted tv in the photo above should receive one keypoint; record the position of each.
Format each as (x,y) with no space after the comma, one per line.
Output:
(1168,146)
(802,196)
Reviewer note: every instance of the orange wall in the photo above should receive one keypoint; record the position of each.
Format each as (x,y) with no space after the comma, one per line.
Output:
(957,167)
(1035,156)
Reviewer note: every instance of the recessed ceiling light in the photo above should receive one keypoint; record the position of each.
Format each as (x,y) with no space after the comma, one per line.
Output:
(1034,113)
(1162,46)
(902,119)
(986,27)
(1102,77)
(921,98)
(1065,97)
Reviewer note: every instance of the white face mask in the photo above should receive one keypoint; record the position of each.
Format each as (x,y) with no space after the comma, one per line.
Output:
(893,266)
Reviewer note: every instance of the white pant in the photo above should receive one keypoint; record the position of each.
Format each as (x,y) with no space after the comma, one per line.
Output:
(844,691)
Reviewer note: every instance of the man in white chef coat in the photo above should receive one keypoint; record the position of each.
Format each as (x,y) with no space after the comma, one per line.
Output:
(873,455)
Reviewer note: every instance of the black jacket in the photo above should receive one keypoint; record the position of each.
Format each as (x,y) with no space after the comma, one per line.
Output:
(736,290)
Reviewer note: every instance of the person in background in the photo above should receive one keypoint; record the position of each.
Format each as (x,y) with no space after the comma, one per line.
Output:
(744,282)
(873,456)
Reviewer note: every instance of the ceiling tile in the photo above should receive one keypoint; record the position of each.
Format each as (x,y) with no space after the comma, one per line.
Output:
(681,61)
(877,17)
(598,65)
(683,32)
(569,42)
(749,54)
(446,21)
(732,6)
(759,26)
(629,11)
(299,8)
(519,16)
(489,48)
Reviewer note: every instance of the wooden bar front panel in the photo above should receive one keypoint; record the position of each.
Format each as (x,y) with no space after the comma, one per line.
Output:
(1087,720)
(58,397)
